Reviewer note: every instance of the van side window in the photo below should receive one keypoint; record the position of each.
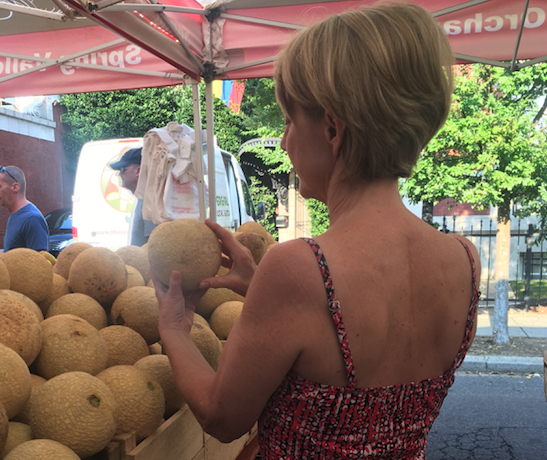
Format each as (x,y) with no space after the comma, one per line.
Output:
(249,207)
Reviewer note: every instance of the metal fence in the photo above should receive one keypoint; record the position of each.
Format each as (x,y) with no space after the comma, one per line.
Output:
(528,266)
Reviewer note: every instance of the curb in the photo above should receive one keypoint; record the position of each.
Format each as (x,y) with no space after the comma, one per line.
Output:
(503,364)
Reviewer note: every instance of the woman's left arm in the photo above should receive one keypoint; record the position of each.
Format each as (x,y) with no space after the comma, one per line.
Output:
(261,349)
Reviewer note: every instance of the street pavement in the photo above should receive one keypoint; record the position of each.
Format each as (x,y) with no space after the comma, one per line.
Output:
(491,417)
(521,324)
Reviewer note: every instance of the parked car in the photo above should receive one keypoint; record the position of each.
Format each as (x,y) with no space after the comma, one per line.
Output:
(59,222)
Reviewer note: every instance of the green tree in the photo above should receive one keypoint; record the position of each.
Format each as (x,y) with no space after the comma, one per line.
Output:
(131,113)
(489,153)
(264,118)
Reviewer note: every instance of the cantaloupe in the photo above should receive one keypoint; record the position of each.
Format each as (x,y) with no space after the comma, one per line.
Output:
(67,256)
(28,302)
(137,257)
(255,227)
(15,383)
(99,273)
(80,305)
(42,449)
(212,299)
(59,288)
(134,277)
(224,317)
(29,272)
(200,320)
(4,276)
(77,410)
(19,328)
(139,398)
(70,344)
(159,368)
(18,433)
(155,349)
(23,415)
(185,245)
(125,346)
(207,343)
(138,309)
(255,243)
(4,429)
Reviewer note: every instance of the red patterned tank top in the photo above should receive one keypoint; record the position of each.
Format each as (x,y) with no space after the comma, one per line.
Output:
(309,420)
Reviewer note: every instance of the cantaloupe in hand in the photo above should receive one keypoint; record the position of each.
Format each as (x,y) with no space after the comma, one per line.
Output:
(185,245)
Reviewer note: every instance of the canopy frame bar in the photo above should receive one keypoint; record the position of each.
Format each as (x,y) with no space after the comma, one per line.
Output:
(266,22)
(51,62)
(181,40)
(247,64)
(479,60)
(461,6)
(27,10)
(70,13)
(153,7)
(530,62)
(519,36)
(68,59)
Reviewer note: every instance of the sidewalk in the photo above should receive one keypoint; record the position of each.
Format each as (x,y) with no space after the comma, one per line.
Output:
(521,324)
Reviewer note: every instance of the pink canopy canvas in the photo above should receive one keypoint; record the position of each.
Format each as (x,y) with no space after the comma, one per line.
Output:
(57,47)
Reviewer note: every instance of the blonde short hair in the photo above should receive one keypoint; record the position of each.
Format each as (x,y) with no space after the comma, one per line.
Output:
(385,71)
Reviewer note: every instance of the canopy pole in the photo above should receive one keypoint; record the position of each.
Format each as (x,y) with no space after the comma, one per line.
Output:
(211,150)
(197,143)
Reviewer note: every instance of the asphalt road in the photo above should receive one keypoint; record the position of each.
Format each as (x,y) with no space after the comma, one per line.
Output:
(491,417)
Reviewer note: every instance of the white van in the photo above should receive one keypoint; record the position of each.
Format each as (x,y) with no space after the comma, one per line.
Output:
(101,208)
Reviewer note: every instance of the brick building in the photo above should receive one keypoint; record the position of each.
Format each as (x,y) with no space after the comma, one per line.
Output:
(30,138)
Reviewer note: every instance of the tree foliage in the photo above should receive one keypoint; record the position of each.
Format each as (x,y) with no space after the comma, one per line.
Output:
(131,113)
(490,151)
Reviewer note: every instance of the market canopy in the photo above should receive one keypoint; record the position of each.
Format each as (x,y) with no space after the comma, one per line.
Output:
(69,46)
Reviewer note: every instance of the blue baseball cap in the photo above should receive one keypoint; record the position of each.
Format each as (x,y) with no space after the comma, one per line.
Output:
(132,156)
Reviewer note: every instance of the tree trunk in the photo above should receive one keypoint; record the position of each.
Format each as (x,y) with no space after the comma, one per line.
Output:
(427,212)
(503,244)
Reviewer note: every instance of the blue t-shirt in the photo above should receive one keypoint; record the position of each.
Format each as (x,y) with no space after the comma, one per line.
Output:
(140,228)
(26,228)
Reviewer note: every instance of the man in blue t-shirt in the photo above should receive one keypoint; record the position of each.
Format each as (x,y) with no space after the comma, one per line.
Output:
(26,227)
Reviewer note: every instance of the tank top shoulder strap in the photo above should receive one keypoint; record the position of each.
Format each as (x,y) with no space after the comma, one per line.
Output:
(472,313)
(334,308)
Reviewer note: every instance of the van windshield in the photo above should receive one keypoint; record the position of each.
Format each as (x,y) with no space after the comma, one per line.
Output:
(249,206)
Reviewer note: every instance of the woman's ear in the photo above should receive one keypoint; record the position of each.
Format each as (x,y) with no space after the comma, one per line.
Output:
(336,130)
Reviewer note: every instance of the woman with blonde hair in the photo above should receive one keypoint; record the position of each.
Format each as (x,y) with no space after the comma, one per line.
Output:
(348,342)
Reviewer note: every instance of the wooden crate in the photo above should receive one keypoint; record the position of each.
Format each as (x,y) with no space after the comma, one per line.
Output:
(180,438)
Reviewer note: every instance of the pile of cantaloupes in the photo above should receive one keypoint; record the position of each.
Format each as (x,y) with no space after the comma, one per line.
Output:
(80,358)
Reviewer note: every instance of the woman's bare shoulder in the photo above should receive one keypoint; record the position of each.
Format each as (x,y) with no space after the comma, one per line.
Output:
(287,270)
(472,248)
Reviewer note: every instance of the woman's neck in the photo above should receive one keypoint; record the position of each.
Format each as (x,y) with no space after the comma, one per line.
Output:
(346,200)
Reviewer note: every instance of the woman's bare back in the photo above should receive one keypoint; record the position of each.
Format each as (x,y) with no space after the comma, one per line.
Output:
(405,291)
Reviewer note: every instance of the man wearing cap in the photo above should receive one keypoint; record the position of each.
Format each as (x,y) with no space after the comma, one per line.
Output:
(26,226)
(129,167)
